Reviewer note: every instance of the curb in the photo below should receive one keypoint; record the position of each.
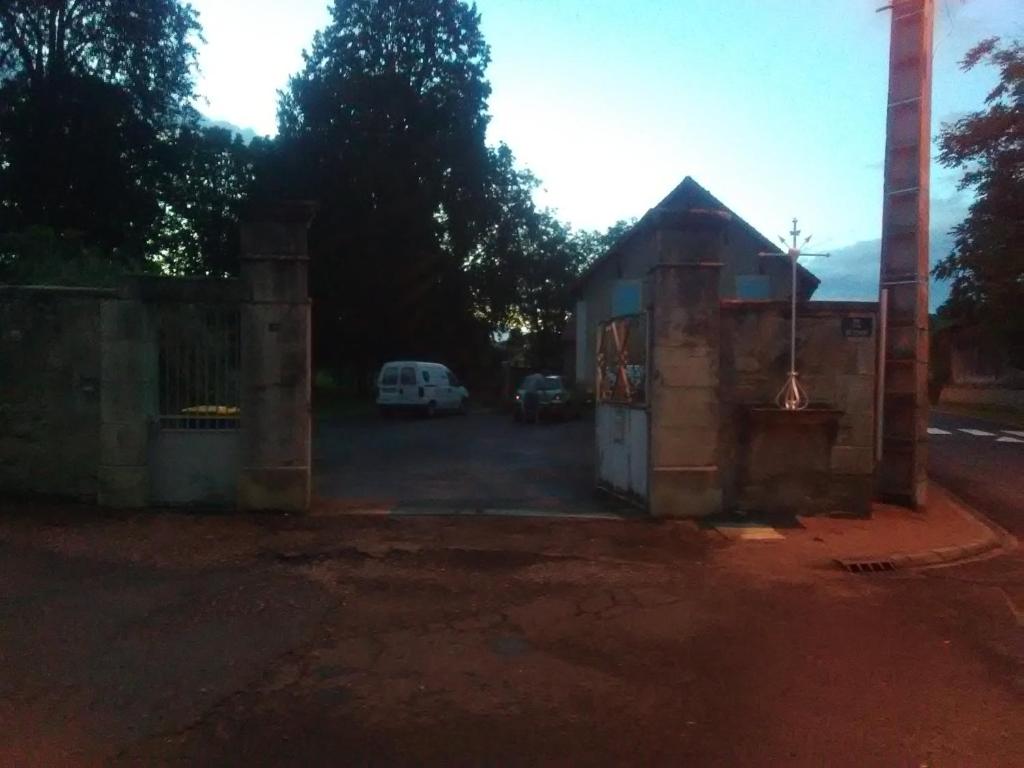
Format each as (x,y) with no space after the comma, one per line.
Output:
(947,555)
(998,538)
(466,512)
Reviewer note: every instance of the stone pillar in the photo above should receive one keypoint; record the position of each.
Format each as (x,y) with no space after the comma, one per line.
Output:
(904,265)
(128,400)
(276,373)
(685,479)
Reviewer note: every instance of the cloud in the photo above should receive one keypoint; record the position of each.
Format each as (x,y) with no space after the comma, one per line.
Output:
(852,272)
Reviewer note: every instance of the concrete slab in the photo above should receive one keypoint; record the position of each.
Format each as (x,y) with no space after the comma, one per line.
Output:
(749,532)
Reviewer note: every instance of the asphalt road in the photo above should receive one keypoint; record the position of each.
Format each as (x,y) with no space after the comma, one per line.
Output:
(481,461)
(983,463)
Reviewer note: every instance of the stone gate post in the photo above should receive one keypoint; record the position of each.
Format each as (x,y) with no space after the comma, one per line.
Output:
(276,365)
(128,398)
(684,388)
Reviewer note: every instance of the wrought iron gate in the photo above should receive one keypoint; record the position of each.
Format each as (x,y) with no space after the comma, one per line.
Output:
(196,446)
(622,418)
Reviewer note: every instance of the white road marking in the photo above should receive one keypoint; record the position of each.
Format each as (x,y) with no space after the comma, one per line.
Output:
(1009,440)
(1014,432)
(978,432)
(937,431)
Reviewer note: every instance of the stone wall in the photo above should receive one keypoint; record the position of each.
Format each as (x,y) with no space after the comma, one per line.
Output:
(50,373)
(80,386)
(836,358)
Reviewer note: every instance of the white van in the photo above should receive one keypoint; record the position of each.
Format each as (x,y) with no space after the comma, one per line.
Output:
(425,387)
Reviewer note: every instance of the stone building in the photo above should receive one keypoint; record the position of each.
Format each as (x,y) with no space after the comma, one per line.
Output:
(682,333)
(612,284)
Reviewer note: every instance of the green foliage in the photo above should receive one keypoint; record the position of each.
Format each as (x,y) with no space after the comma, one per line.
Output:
(40,256)
(201,202)
(98,135)
(385,128)
(986,266)
(428,242)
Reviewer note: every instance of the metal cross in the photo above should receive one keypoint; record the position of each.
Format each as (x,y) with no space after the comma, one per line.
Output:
(792,396)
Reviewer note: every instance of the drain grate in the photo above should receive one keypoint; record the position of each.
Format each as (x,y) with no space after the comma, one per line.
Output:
(867,566)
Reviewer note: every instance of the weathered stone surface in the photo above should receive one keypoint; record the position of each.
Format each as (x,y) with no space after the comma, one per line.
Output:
(276,392)
(128,402)
(694,492)
(684,391)
(851,494)
(276,374)
(678,367)
(685,408)
(49,391)
(124,321)
(676,447)
(125,443)
(123,487)
(274,489)
(276,280)
(849,460)
(837,370)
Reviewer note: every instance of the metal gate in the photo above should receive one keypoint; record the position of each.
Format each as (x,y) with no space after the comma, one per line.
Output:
(622,417)
(196,449)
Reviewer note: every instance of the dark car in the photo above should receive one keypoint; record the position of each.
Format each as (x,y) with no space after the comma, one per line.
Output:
(541,396)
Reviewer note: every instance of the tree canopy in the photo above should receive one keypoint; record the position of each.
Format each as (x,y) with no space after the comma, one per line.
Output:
(986,266)
(428,241)
(99,136)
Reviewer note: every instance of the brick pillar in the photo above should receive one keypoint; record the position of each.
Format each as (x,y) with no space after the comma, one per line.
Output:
(128,400)
(276,375)
(684,382)
(904,268)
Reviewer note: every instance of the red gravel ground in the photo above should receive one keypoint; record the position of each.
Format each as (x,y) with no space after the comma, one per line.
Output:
(171,639)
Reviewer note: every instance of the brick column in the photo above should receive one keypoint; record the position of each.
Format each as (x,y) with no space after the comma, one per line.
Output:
(685,479)
(276,375)
(128,399)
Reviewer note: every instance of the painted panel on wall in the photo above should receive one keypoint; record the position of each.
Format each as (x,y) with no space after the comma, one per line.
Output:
(627,297)
(753,287)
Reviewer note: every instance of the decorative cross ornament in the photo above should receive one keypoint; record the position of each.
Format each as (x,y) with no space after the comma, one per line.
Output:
(792,396)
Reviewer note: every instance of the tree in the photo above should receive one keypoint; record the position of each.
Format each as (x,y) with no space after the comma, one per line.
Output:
(986,266)
(385,128)
(201,198)
(92,96)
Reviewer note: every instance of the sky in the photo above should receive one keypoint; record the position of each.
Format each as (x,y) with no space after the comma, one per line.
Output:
(776,106)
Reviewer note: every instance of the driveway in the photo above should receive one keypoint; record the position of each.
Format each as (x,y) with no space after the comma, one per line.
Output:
(477,462)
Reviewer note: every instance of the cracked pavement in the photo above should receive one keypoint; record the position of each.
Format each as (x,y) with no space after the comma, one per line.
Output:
(165,639)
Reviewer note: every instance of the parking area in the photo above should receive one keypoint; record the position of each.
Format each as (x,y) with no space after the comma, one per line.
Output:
(479,462)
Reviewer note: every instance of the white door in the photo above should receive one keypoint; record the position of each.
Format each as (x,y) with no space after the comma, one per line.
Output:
(453,390)
(408,389)
(388,385)
(442,390)
(433,385)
